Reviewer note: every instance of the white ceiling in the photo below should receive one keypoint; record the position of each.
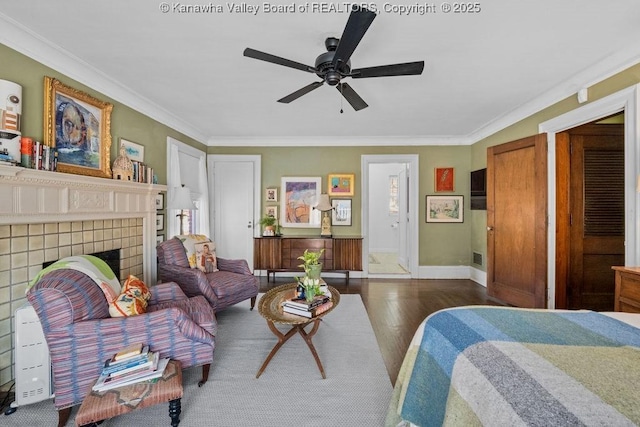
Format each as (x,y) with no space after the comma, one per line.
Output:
(482,72)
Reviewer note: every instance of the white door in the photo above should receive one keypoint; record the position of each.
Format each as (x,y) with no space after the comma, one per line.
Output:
(403,217)
(235,204)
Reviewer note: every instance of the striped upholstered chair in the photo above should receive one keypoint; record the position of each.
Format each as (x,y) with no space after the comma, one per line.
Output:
(232,284)
(81,335)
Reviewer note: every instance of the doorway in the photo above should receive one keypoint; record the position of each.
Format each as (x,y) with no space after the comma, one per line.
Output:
(389,216)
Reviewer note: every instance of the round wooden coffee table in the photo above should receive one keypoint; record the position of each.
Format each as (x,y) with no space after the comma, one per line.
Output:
(270,307)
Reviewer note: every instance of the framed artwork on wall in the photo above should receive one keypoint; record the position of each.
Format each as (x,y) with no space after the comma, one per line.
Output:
(134,151)
(271,211)
(299,196)
(445,209)
(341,213)
(341,184)
(79,127)
(444,179)
(271,195)
(159,201)
(159,239)
(159,222)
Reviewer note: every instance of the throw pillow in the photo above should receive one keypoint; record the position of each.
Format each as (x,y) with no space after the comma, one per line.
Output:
(136,287)
(189,241)
(132,300)
(127,305)
(206,257)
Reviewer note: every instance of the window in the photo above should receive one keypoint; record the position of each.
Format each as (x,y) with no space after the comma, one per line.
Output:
(393,195)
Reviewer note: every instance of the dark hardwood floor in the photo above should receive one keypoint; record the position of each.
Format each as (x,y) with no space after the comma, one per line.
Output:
(396,307)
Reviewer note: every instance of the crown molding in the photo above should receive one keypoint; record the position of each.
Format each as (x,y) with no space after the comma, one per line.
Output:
(25,41)
(337,141)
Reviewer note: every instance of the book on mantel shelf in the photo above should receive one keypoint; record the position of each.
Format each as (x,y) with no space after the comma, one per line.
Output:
(309,313)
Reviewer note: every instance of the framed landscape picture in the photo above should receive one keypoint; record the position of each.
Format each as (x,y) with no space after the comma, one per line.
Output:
(299,196)
(445,209)
(134,151)
(79,127)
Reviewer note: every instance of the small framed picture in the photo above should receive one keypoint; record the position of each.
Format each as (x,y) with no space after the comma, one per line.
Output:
(445,209)
(159,222)
(271,211)
(443,179)
(341,213)
(341,184)
(159,239)
(159,201)
(271,194)
(134,151)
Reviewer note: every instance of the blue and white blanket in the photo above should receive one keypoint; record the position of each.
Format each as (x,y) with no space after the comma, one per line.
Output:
(507,367)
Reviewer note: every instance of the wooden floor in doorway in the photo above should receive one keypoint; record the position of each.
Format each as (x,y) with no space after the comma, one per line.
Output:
(397,306)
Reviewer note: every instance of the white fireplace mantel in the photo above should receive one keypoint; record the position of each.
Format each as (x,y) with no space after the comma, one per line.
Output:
(30,196)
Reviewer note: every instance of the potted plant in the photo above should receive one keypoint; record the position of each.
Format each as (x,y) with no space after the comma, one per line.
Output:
(268,222)
(311,263)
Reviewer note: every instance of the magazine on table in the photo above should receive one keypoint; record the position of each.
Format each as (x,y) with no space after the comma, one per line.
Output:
(108,382)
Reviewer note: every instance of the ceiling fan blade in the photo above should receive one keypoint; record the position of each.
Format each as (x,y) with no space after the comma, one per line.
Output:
(354,31)
(351,96)
(256,54)
(297,94)
(406,69)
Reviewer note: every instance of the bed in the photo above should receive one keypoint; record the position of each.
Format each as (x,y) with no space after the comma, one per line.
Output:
(508,366)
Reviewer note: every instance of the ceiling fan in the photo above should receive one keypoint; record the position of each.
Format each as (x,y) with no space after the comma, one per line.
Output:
(334,65)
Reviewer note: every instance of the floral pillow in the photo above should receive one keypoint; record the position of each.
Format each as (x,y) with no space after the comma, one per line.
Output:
(189,241)
(133,299)
(206,256)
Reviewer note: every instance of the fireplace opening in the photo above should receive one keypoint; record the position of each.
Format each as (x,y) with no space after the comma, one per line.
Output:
(112,258)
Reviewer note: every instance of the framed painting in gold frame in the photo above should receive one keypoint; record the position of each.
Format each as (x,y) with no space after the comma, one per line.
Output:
(444,179)
(79,127)
(341,184)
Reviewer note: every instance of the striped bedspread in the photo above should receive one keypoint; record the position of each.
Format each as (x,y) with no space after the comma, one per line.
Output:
(503,366)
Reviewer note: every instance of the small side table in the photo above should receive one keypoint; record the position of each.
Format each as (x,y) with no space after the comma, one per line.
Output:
(270,307)
(99,406)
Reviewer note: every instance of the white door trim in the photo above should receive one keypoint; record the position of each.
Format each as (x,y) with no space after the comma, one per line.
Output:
(412,227)
(626,100)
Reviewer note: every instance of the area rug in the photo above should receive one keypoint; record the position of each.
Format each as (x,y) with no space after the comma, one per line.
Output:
(290,392)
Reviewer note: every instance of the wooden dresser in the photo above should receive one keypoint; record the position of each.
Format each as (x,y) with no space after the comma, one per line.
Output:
(279,254)
(627,297)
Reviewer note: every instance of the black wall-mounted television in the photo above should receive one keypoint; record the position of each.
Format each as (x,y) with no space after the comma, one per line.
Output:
(479,189)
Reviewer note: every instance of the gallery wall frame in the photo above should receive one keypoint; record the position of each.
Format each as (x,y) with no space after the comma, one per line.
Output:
(444,179)
(79,127)
(159,201)
(341,213)
(133,150)
(271,211)
(271,195)
(341,184)
(299,196)
(159,222)
(444,209)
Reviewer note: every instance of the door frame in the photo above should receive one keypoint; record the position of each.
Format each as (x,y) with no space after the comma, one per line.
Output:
(628,101)
(412,227)
(256,160)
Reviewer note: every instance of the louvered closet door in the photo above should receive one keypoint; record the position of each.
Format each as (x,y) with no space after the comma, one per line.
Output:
(597,215)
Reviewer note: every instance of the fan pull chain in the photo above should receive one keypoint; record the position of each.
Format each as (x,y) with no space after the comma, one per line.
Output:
(341,100)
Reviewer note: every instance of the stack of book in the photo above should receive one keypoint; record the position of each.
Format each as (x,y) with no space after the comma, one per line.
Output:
(129,366)
(302,307)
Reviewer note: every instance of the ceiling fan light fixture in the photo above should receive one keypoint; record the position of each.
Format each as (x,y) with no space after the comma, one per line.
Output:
(332,78)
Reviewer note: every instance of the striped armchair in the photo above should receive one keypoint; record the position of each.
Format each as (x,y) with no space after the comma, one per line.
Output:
(232,284)
(81,335)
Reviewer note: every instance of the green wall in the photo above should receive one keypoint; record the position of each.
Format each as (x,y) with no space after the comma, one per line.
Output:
(125,122)
(440,244)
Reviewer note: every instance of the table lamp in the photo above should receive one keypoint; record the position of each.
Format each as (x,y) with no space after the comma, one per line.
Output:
(181,201)
(324,206)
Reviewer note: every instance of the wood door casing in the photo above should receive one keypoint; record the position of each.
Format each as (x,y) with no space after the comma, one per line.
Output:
(517,222)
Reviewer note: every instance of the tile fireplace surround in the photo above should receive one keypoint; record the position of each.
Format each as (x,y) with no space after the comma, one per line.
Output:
(45,216)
